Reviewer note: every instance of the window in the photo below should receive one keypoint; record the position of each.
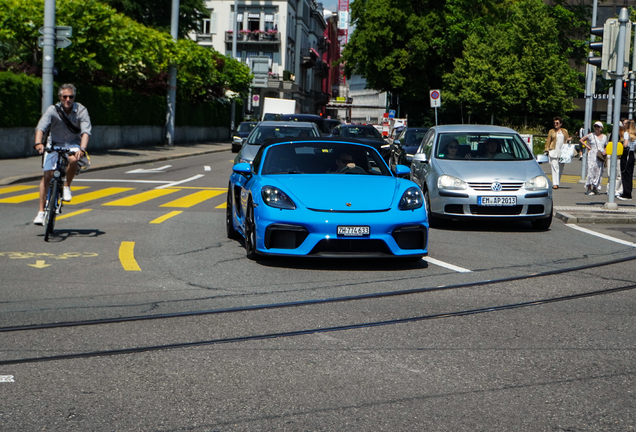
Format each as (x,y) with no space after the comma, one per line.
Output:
(205,26)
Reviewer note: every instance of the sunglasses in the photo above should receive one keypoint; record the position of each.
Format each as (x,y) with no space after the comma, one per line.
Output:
(68,97)
(453,147)
(346,161)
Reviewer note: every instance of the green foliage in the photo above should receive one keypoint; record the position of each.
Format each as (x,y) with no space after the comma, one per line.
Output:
(20,100)
(110,49)
(158,13)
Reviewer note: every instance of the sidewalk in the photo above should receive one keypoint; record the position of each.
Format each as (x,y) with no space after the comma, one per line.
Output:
(28,169)
(571,205)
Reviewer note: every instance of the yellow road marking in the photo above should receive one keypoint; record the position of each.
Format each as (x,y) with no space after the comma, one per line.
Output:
(31,196)
(10,189)
(198,188)
(81,199)
(222,206)
(39,264)
(79,212)
(166,217)
(127,256)
(194,199)
(140,197)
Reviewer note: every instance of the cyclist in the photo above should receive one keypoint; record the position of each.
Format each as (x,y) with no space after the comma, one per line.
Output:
(69,126)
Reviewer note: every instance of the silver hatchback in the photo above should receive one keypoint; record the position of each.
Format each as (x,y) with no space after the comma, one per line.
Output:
(473,171)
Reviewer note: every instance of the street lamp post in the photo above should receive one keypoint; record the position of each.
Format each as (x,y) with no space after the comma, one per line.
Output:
(172,78)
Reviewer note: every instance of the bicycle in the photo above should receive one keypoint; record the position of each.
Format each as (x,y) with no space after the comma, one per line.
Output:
(54,202)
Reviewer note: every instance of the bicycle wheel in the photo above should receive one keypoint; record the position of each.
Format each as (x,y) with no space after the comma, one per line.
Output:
(51,209)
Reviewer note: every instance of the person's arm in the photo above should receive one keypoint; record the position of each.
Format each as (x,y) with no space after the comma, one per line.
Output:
(584,141)
(39,146)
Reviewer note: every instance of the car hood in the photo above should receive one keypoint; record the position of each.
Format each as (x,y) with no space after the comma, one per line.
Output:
(476,171)
(373,142)
(339,192)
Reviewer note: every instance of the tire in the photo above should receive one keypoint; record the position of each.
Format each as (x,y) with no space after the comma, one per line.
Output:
(250,233)
(51,210)
(229,217)
(542,224)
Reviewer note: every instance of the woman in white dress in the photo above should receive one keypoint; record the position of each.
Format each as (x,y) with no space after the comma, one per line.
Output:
(594,142)
(556,138)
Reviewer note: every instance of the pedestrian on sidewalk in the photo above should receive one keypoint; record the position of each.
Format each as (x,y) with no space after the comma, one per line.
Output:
(69,126)
(627,160)
(556,138)
(595,143)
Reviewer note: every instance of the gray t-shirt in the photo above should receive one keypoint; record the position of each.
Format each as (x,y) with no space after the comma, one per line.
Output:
(60,134)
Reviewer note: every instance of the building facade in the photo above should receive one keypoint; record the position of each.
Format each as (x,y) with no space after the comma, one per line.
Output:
(287,35)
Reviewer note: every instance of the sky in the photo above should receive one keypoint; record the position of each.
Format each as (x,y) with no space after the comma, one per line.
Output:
(331,5)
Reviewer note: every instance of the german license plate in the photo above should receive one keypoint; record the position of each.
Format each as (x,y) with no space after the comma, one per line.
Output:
(497,201)
(353,231)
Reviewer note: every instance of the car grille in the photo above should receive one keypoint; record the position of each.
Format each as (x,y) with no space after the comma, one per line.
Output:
(454,208)
(496,210)
(410,237)
(505,187)
(282,236)
(336,247)
(536,209)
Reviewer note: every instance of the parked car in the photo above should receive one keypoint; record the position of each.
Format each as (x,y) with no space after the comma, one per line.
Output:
(405,144)
(319,121)
(272,130)
(479,172)
(325,198)
(367,134)
(242,131)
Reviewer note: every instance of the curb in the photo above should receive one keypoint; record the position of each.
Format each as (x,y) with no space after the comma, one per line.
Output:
(38,176)
(598,217)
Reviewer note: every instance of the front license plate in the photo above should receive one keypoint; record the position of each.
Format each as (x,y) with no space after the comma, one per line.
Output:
(353,231)
(497,201)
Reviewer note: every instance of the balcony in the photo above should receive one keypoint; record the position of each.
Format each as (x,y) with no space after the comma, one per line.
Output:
(256,36)
(309,60)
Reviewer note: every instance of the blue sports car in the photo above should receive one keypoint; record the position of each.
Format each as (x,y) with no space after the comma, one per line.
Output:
(325,197)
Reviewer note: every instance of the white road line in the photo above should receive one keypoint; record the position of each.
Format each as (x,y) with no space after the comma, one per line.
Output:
(603,236)
(180,182)
(446,265)
(148,171)
(6,378)
(207,168)
(121,181)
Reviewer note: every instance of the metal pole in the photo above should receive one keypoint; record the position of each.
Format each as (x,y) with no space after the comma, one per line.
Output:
(48,54)
(623,19)
(234,38)
(172,78)
(632,77)
(589,97)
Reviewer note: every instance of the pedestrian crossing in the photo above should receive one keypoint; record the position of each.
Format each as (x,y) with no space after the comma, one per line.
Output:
(180,198)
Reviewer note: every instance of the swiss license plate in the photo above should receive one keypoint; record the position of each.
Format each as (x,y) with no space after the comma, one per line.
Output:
(353,231)
(497,201)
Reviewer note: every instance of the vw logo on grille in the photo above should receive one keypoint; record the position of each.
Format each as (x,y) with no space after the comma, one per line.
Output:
(496,186)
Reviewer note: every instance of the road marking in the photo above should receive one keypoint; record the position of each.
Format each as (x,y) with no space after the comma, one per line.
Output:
(6,378)
(30,255)
(193,199)
(166,217)
(446,265)
(83,198)
(148,171)
(222,206)
(10,189)
(39,264)
(127,256)
(603,236)
(182,181)
(140,197)
(121,181)
(32,196)
(79,212)
(207,168)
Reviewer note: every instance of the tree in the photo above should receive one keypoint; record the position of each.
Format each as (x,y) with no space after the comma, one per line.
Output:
(158,13)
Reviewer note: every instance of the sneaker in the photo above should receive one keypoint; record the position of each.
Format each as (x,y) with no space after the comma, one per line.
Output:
(67,195)
(39,219)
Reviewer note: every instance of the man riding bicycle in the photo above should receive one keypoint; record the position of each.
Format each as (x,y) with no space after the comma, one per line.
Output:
(70,127)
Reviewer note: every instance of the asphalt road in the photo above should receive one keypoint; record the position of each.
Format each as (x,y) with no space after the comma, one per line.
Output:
(501,328)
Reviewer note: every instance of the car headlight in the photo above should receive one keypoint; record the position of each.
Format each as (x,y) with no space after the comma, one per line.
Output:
(537,183)
(411,199)
(274,197)
(450,182)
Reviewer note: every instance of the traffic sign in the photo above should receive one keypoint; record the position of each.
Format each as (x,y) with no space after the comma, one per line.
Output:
(436,98)
(256,100)
(391,114)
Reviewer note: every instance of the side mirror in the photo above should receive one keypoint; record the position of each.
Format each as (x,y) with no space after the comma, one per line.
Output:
(420,157)
(541,158)
(242,168)
(402,170)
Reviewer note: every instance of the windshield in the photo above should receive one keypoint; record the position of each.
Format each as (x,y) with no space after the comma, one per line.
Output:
(323,158)
(263,133)
(246,127)
(412,137)
(360,132)
(472,146)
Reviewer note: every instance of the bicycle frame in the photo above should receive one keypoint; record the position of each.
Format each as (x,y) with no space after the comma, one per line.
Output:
(54,201)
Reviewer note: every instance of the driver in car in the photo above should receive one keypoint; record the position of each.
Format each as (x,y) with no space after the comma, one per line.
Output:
(344,160)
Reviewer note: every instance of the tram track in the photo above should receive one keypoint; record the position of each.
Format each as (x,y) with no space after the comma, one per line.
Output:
(293,333)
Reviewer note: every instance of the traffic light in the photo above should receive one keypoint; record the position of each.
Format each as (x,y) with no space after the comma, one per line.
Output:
(609,48)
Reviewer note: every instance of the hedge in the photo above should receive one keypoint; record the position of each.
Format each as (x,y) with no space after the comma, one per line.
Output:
(21,103)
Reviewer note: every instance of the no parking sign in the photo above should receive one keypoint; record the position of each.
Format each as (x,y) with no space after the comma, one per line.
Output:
(436,98)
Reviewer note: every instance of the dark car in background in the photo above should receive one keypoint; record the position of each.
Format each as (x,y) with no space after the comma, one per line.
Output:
(367,134)
(242,131)
(316,119)
(405,145)
(332,124)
